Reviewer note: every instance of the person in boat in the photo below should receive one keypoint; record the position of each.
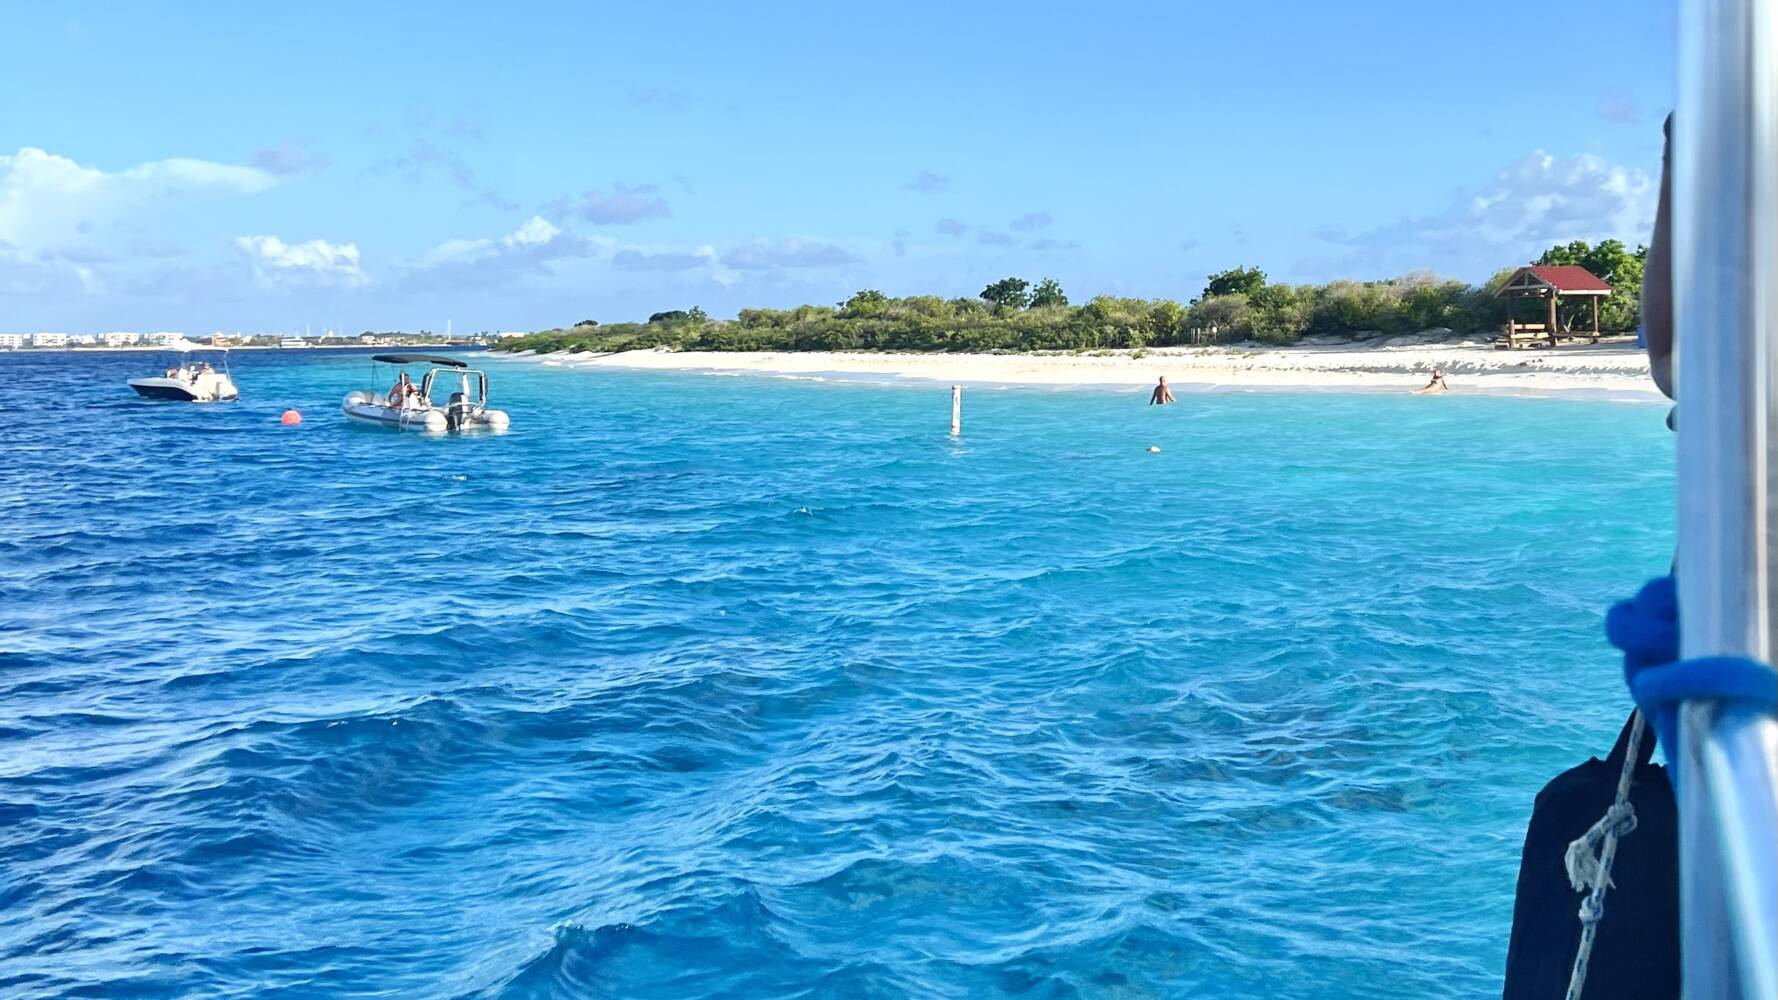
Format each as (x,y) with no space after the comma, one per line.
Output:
(172,371)
(402,391)
(1161,395)
(1434,387)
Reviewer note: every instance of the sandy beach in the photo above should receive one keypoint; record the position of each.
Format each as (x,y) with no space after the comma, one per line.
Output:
(1611,369)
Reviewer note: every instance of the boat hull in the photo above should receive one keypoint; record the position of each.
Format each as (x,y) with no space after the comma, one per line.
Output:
(361,408)
(179,390)
(364,408)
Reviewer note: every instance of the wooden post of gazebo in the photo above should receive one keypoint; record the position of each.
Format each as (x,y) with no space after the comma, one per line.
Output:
(1549,282)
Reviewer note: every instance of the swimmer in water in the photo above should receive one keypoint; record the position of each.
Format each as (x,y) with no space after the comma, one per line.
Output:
(1161,395)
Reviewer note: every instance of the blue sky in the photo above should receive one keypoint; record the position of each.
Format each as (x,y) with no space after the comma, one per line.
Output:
(230,166)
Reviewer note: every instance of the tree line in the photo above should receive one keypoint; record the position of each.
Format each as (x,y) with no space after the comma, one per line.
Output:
(1014,315)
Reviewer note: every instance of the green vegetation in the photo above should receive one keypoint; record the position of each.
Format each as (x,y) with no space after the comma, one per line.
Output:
(1048,293)
(1008,293)
(1237,281)
(1620,268)
(1010,315)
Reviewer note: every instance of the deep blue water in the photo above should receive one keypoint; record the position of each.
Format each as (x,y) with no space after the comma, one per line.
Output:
(702,686)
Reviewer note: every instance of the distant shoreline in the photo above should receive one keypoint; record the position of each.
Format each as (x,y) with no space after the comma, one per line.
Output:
(1612,371)
(139,348)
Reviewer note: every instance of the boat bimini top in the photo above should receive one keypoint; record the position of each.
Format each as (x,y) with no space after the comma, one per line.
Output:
(419,359)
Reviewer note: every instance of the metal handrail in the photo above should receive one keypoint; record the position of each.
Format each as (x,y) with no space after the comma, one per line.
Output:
(1725,283)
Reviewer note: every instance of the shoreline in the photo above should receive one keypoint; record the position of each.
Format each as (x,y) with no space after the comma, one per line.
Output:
(126,348)
(1610,371)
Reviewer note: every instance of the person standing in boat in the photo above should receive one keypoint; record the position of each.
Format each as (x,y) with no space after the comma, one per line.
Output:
(401,390)
(1161,395)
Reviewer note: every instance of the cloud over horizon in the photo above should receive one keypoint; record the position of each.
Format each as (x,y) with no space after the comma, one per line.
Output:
(630,259)
(287,158)
(1537,201)
(425,158)
(316,262)
(48,200)
(928,182)
(787,253)
(528,251)
(623,205)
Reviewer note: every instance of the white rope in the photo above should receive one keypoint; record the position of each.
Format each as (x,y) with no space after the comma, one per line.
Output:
(1589,858)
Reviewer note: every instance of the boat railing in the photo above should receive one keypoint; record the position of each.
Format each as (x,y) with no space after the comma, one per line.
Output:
(1725,280)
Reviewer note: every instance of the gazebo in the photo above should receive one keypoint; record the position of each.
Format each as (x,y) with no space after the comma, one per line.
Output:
(1549,282)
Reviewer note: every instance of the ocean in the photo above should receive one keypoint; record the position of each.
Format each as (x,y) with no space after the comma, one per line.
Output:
(754,687)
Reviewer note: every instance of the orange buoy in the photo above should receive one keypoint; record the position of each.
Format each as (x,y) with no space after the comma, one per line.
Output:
(290,418)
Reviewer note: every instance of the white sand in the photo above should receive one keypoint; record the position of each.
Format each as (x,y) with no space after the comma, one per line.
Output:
(1611,369)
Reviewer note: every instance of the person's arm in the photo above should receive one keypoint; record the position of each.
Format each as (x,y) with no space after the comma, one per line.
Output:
(1657,279)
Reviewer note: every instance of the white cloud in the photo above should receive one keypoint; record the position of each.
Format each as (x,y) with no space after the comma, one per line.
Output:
(623,205)
(287,157)
(769,256)
(1538,201)
(425,158)
(313,262)
(537,232)
(631,259)
(530,249)
(50,202)
(928,182)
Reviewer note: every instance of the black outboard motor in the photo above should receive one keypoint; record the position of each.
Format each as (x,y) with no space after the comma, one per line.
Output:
(457,412)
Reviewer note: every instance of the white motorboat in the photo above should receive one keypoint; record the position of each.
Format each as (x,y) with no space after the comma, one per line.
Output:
(189,379)
(409,407)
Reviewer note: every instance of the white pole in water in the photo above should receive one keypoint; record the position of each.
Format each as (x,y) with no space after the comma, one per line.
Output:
(956,410)
(1725,281)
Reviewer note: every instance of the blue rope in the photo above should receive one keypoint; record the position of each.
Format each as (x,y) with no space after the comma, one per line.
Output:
(1646,628)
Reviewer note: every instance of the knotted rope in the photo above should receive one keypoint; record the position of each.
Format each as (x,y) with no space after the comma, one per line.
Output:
(1589,859)
(1646,628)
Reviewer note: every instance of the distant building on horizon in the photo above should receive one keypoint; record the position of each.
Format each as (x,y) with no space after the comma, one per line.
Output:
(121,338)
(49,340)
(11,341)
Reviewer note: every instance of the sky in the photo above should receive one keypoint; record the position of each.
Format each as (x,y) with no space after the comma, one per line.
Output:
(259,167)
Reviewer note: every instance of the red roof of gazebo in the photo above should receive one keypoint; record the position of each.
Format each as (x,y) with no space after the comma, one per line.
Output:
(1568,278)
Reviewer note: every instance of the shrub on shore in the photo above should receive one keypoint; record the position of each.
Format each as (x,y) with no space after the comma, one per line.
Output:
(1237,305)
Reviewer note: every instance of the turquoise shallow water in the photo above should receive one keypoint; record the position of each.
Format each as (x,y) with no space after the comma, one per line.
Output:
(739,686)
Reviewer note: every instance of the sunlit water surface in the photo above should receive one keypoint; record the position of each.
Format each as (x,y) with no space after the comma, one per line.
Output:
(696,685)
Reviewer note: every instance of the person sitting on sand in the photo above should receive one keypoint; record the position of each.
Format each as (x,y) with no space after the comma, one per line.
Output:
(1437,385)
(1161,395)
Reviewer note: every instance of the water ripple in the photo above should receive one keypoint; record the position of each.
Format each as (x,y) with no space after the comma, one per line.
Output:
(746,687)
